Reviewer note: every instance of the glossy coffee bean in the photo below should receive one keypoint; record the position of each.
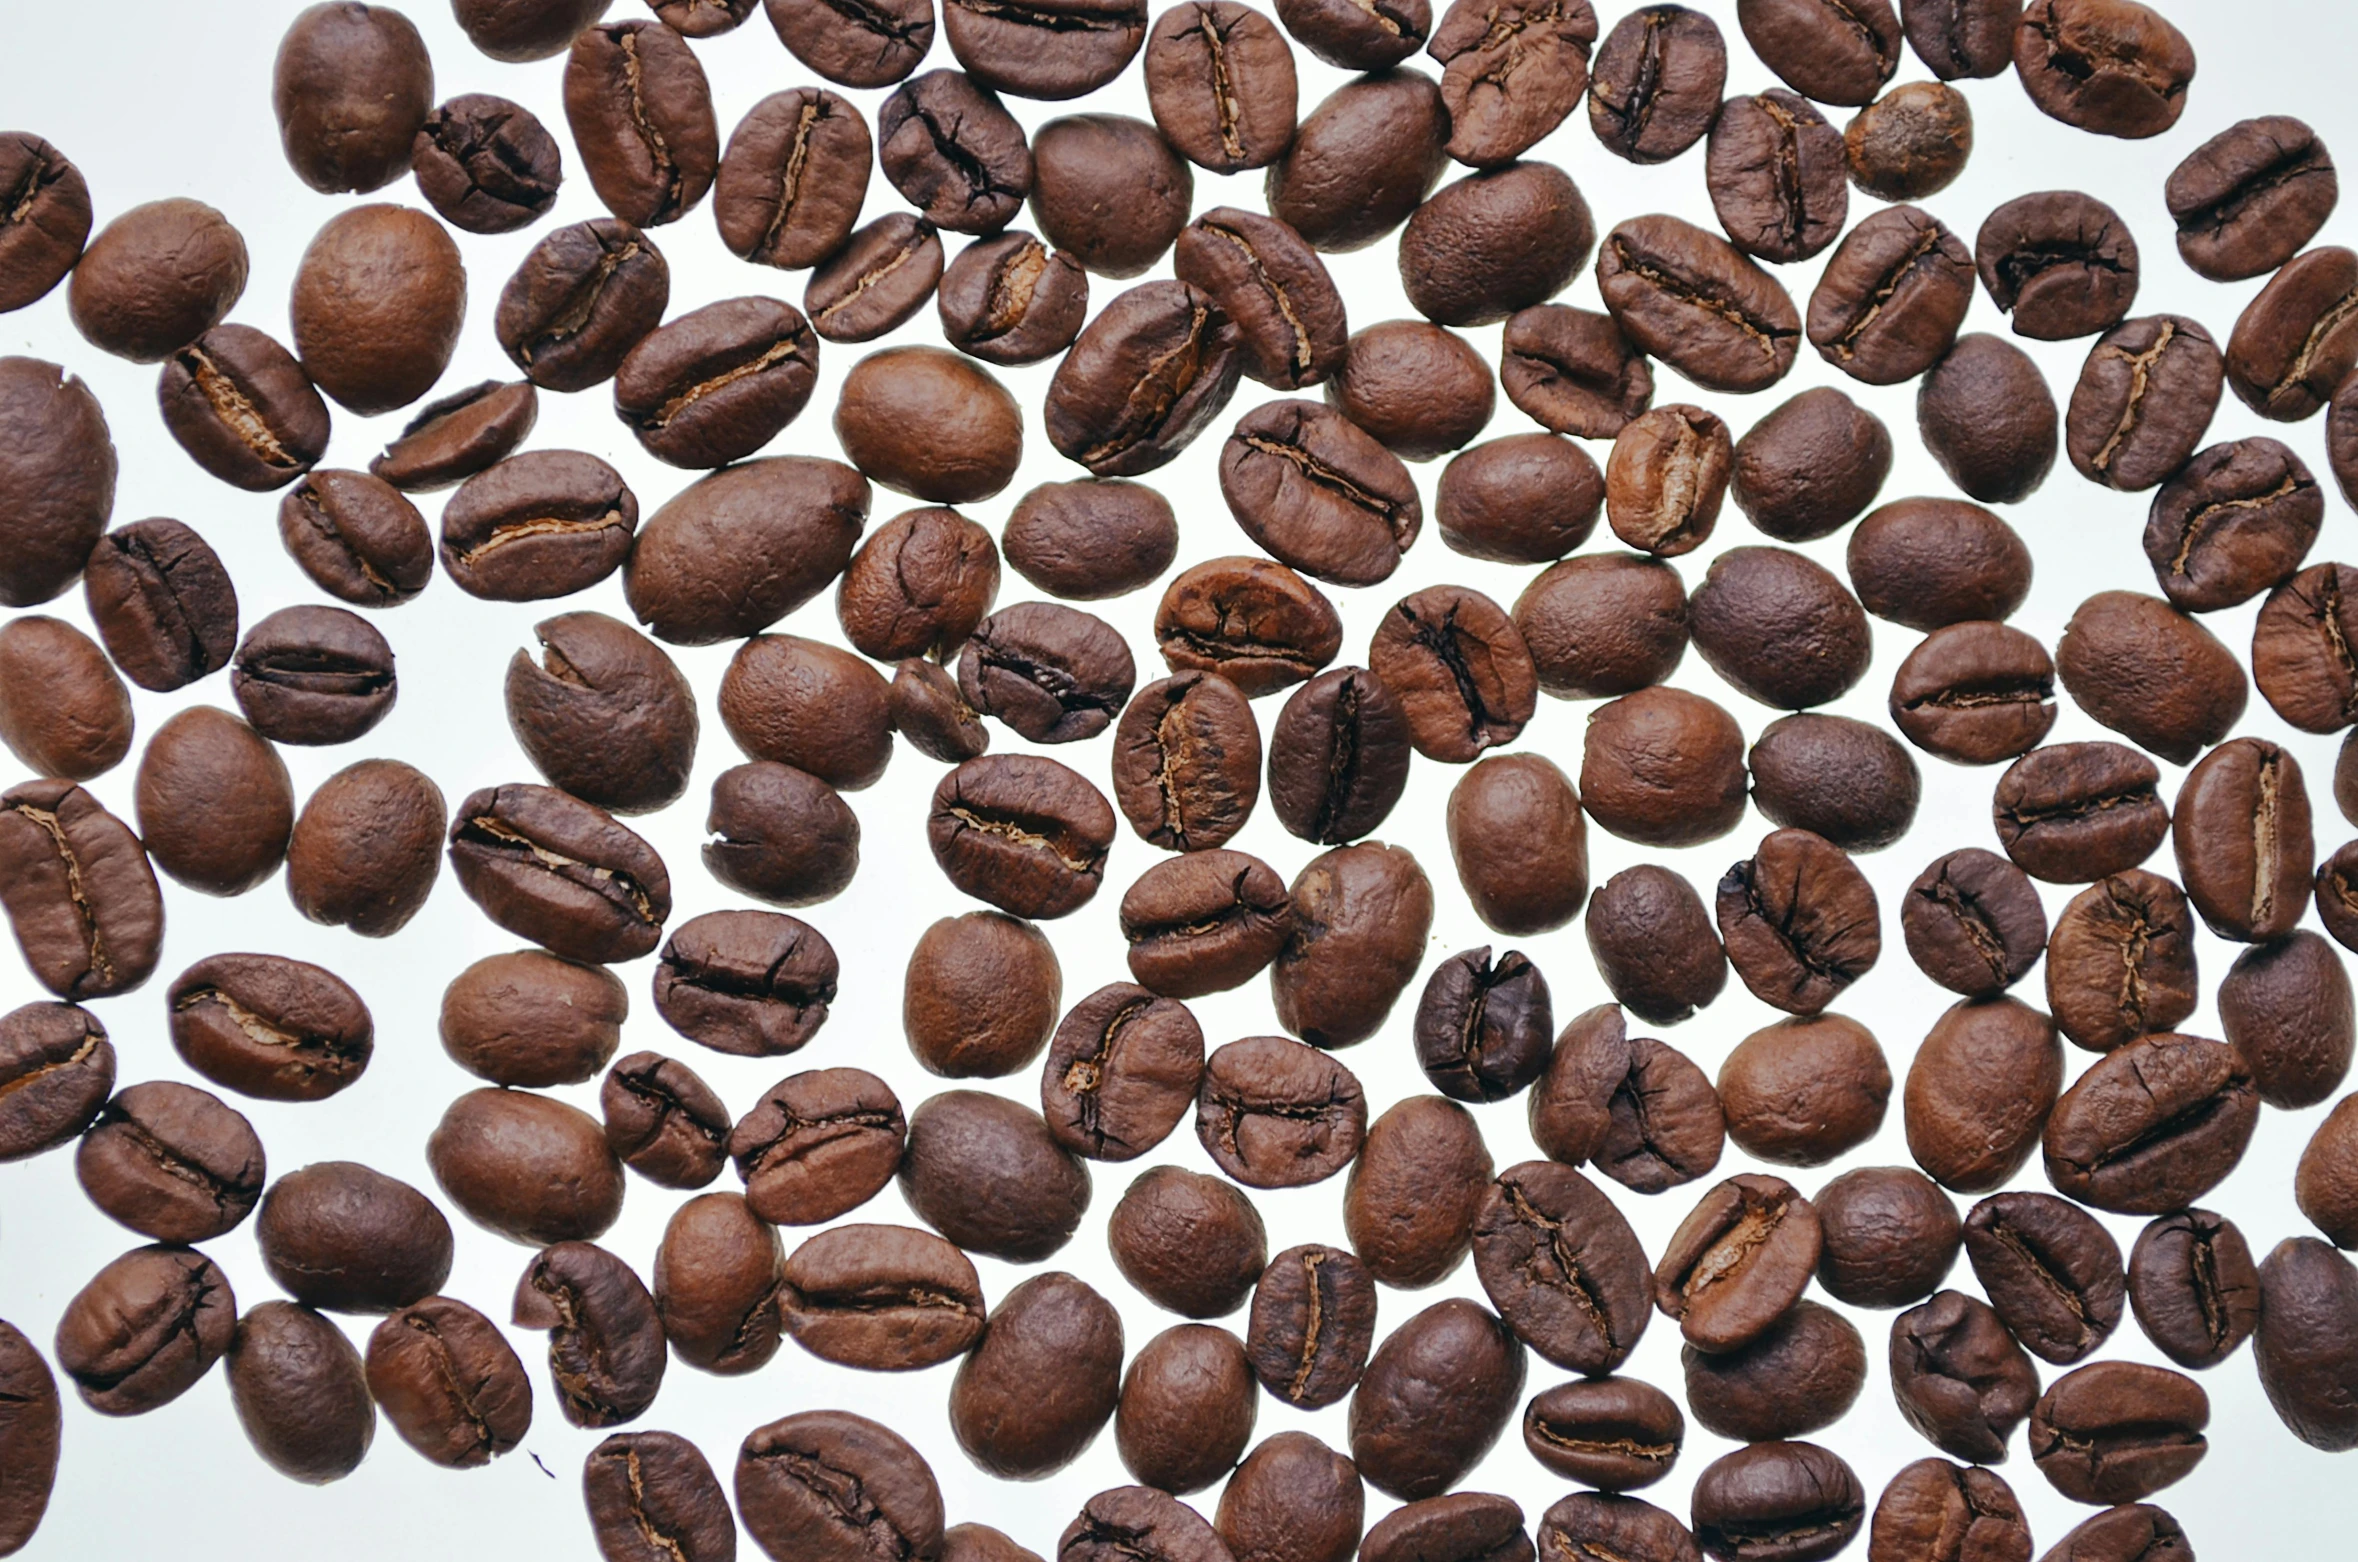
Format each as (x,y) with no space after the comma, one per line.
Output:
(80,896)
(2063,264)
(60,458)
(818,1145)
(377,303)
(1561,1265)
(1484,1031)
(2308,1294)
(1693,301)
(301,1393)
(530,1019)
(1458,666)
(1617,1434)
(1979,1092)
(604,713)
(2299,659)
(63,712)
(641,114)
(243,408)
(1188,1242)
(2285,1006)
(1973,923)
(1139,1521)
(2112,67)
(1835,777)
(1737,1262)
(1411,1440)
(1274,1113)
(2076,812)
(1939,1510)
(1804,1092)
(162,603)
(486,164)
(663,1122)
(1654,87)
(1497,242)
(1054,674)
(343,1237)
(1520,844)
(653,1492)
(1975,693)
(1911,142)
(156,278)
(38,246)
(877,280)
(717,1284)
(989,1175)
(314,675)
(1319,492)
(527,1167)
(2193,1287)
(1187,762)
(973,435)
(1572,371)
(2121,962)
(1187,1408)
(2116,1431)
(1361,161)
(1987,418)
(1601,625)
(1121,1072)
(1799,921)
(1143,380)
(791,701)
(2153,1125)
(928,710)
(2291,345)
(1041,1382)
(357,537)
(1205,922)
(366,848)
(1835,54)
(1810,466)
(790,184)
(606,1349)
(450,1383)
(561,872)
(2143,399)
(269,1027)
(1655,945)
(1022,832)
(1108,190)
(543,524)
(2150,673)
(1927,563)
(747,983)
(58,1069)
(1774,170)
(581,299)
(953,151)
(781,835)
(2053,1274)
(1091,539)
(1891,297)
(1220,82)
(918,586)
(1800,1499)
(868,48)
(718,383)
(146,1329)
(1265,278)
(2245,877)
(1519,499)
(171,1162)
(2246,200)
(1959,1377)
(1361,915)
(1338,756)
(2235,520)
(1890,1236)
(981,995)
(1009,299)
(789,1499)
(351,85)
(1419,390)
(1799,1377)
(1312,1325)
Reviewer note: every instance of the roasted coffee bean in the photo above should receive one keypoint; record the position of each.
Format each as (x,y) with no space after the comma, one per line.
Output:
(1975,693)
(1318,491)
(2300,658)
(2063,264)
(1889,1236)
(2322,1183)
(2112,67)
(811,705)
(487,165)
(928,710)
(171,1162)
(1942,1512)
(1839,52)
(1459,668)
(543,524)
(60,463)
(1572,371)
(1203,923)
(1979,1092)
(1500,241)
(650,1494)
(663,1122)
(1052,673)
(1411,1436)
(2132,1530)
(719,382)
(1973,923)
(343,1237)
(1022,832)
(1338,756)
(63,712)
(1776,176)
(793,1477)
(1891,297)
(450,1383)
(1415,1190)
(1927,563)
(1139,1522)
(1810,466)
(1663,767)
(1519,499)
(1220,83)
(242,408)
(1253,621)
(1799,921)
(2233,522)
(780,834)
(519,30)
(1107,190)
(641,115)
(2116,1431)
(952,150)
(56,1071)
(1804,1092)
(1985,415)
(606,1345)
(1146,376)
(1639,1111)
(1056,49)
(313,676)
(1693,301)
(1911,142)
(2309,1294)
(1090,539)
(1615,1433)
(1600,625)
(791,183)
(145,1329)
(1793,1501)
(350,87)
(561,872)
(1361,916)
(2150,673)
(747,983)
(1121,1072)
(357,538)
(1284,314)
(41,240)
(1655,87)
(1665,479)
(2293,343)
(162,604)
(1357,38)
(2241,834)
(529,1019)
(604,713)
(1779,627)
(1188,1242)
(972,433)
(1800,1376)
(2193,1287)
(1595,1523)
(2246,200)
(870,46)
(981,995)
(376,307)
(1835,777)
(1654,944)
(718,1278)
(2053,1274)
(1362,161)
(1737,1262)
(80,896)
(2285,1005)
(1041,1382)
(1419,390)
(1312,1325)
(156,278)
(2143,400)
(1961,39)
(301,1393)
(1293,1500)
(1009,299)
(1520,844)
(1562,1266)
(1484,1031)
(881,1298)
(991,1176)
(527,1167)
(1510,76)
(580,301)
(1274,1113)
(1959,1377)
(876,280)
(1187,1408)
(366,848)
(1187,762)
(271,1028)
(2120,963)
(2153,1125)
(2073,813)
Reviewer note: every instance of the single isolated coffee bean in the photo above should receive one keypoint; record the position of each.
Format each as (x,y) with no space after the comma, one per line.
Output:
(2242,840)
(242,408)
(651,1493)
(1973,923)
(1926,563)
(1779,627)
(171,1162)
(158,277)
(1561,1265)
(486,164)
(1459,668)
(746,983)
(791,1475)
(1891,297)
(313,676)
(2117,1431)
(450,1383)
(561,872)
(378,300)
(1936,1509)
(641,115)
(1641,1112)
(580,300)
(1410,1203)
(1293,1496)
(2294,342)
(2072,813)
(1054,674)
(1845,780)
(2309,1294)
(1573,371)
(719,382)
(663,1122)
(1959,1377)
(2120,962)
(1274,1113)
(1692,300)
(357,537)
(1805,1500)
(2153,1125)
(351,85)
(2193,1287)
(1361,916)
(972,434)
(1253,621)
(1617,1434)
(1022,832)
(928,710)
(531,1020)
(1107,189)
(1802,1375)
(2246,200)
(56,1070)
(542,524)
(814,706)
(1188,1242)
(63,712)
(1810,466)
(269,1027)
(61,464)
(2112,67)
(2053,1274)
(2061,263)
(1362,160)
(1601,625)
(1091,539)
(1497,242)
(2322,1183)
(1520,844)
(1841,53)
(1911,142)
(1143,380)
(989,1174)
(717,1284)
(2143,400)
(345,1238)
(1975,693)
(818,1145)
(1041,1382)
(526,1167)
(40,242)
(1187,1408)
(1519,499)
(781,835)
(146,1329)
(1979,1092)
(163,605)
(301,1393)
(790,186)
(1411,1436)
(367,847)
(603,713)
(2138,666)
(1889,1236)
(1655,945)
(80,896)
(1205,922)
(2235,521)
(1220,82)
(1804,1092)
(1737,1262)
(1985,415)
(606,1345)
(1775,173)
(2286,1006)
(878,279)
(1312,1325)
(1663,767)
(951,149)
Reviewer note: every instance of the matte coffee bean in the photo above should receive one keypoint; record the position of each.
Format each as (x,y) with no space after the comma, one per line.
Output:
(551,868)
(2293,344)
(1804,1092)
(1572,371)
(1690,299)
(1799,1377)
(791,183)
(343,1237)
(1655,945)
(313,676)
(1255,622)
(486,164)
(1090,539)
(1511,77)
(1910,143)
(1617,1525)
(791,1479)
(1665,479)
(928,710)
(718,1278)
(2246,200)
(2152,1126)
(2322,1182)
(1282,306)
(952,150)
(1600,625)
(1419,390)
(2053,1274)
(2309,1294)
(1274,1113)
(874,46)
(39,243)
(1889,1236)
(2300,659)
(351,85)
(1959,1377)
(367,847)
(269,1027)
(1484,1031)
(1561,1265)
(1414,1191)
(145,1329)
(1187,762)
(519,30)
(1961,39)
(1361,916)
(1355,38)
(878,279)
(2063,264)
(2193,1287)
(1502,240)
(1654,88)
(718,383)
(981,995)
(1220,82)
(1121,1072)
(1107,189)
(1795,1501)
(1774,169)
(1143,380)
(242,408)
(2235,521)
(526,1167)
(1188,1242)
(1737,1262)
(1293,1500)
(61,464)
(2136,1529)
(1810,466)
(357,538)
(641,115)
(171,1162)
(746,983)
(1891,297)
(1187,1408)
(63,712)
(1979,1091)
(580,301)
(663,1122)
(543,524)
(1022,832)
(80,896)
(1052,673)
(1138,1521)
(791,701)
(1362,161)
(1973,923)
(1520,843)
(1203,923)
(2150,673)
(881,1298)
(2120,962)
(1836,53)
(1927,563)
(2116,1431)
(1641,1112)
(1060,49)
(156,278)
(2285,1005)
(781,835)
(604,713)
(2143,400)
(2072,813)
(1835,777)
(1618,1434)
(1459,668)
(301,1393)
(1943,1512)
(1663,767)
(1985,415)
(1779,627)
(1009,299)
(1519,499)
(1312,1325)
(650,1494)
(1338,756)
(56,1070)
(2241,833)
(1320,492)
(973,434)
(1041,1382)
(162,604)
(606,1345)
(529,1019)
(2112,67)
(1799,921)
(1975,693)
(377,303)
(450,1383)
(1410,1436)
(989,1175)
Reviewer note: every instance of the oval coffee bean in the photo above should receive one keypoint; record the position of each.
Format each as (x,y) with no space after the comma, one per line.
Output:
(2193,1287)
(1979,1092)
(881,1298)
(1959,1377)
(1519,499)
(2286,1006)
(1413,1437)
(2117,1431)
(2112,67)
(1312,1325)
(2107,658)
(367,847)
(1791,1500)
(651,1494)
(1293,1493)
(1890,1236)
(1041,1382)
(543,524)
(1775,173)
(1409,1206)
(1799,921)
(1973,923)
(1091,539)
(560,872)
(2308,1299)
(60,459)
(2241,833)
(2235,521)
(1188,1242)
(918,586)
(528,1167)
(1139,1522)
(716,1284)
(357,538)
(57,1070)
(641,115)
(790,185)
(747,983)
(158,277)
(2152,1126)
(243,408)
(951,149)
(1778,626)
(1845,780)
(1975,693)
(606,1346)
(990,1175)
(1572,371)
(1654,944)
(1220,82)
(2063,264)
(38,246)
(450,1383)
(1204,923)
(1891,297)
(2053,1274)
(1737,1262)
(80,896)
(1338,757)
(531,1020)
(162,603)
(2121,962)
(878,279)
(2246,200)
(301,1393)
(1022,832)
(2143,400)
(1938,1510)
(313,676)
(1484,1032)
(1617,1434)
(486,164)
(1121,1072)
(604,713)
(1641,1112)
(1187,1409)
(791,1475)
(1804,1091)
(1253,621)
(1364,158)
(2076,812)
(1690,299)
(818,1145)
(268,1027)
(1800,1376)
(376,307)
(1810,466)
(717,383)
(1562,1266)
(580,301)
(171,1162)
(2293,343)
(1665,479)
(874,46)
(1053,673)
(1361,914)
(63,712)
(1537,883)
(663,1122)
(1460,670)
(1911,142)
(1985,415)
(1274,1113)
(343,1237)
(1617,1525)
(146,1328)
(350,87)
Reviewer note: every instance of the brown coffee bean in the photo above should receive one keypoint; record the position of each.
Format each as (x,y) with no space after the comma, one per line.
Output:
(38,246)
(2143,400)
(1091,539)
(1362,160)
(780,834)
(1293,1500)
(641,115)
(242,408)
(1022,832)
(877,280)
(62,464)
(2112,67)
(1353,38)
(973,434)
(1187,762)
(486,164)
(789,187)
(543,524)
(1599,625)
(301,1393)
(928,710)
(2309,1293)
(1797,1498)
(2120,963)
(1188,1242)
(811,705)
(606,1345)
(1410,1436)
(1835,777)
(1979,1092)
(1959,1377)
(1499,241)
(1338,756)
(351,86)
(2075,812)
(2292,344)
(1665,479)
(1890,1236)
(1419,390)
(376,308)
(2235,521)
(1799,1377)
(1459,668)
(526,1167)
(2242,839)
(1692,300)
(1985,415)
(1810,466)
(918,586)
(1561,1265)
(56,1070)
(2300,660)
(367,847)
(2193,1287)
(1618,1434)
(1143,380)
(719,1274)
(1926,563)
(80,896)
(1121,1072)
(1779,627)
(604,714)
(1836,53)
(1108,190)
(1655,945)
(1041,1382)
(2322,1183)
(1320,492)
(162,604)
(2246,200)
(949,146)
(1519,499)
(146,1328)
(532,1020)
(2063,264)
(1510,77)
(357,538)
(1220,83)
(1009,299)
(651,1494)
(747,983)
(990,1175)
(1520,844)
(1274,1113)
(1052,673)
(158,277)
(1961,39)
(1572,371)
(2150,673)
(1663,767)
(1617,1525)
(1187,1408)
(1655,86)
(1774,169)
(1911,142)
(663,1122)
(1973,923)
(1410,1203)
(789,1498)
(872,47)
(1264,277)
(450,1383)
(171,1162)
(1804,1092)
(1891,297)
(981,995)
(63,712)
(580,301)
(881,1298)
(2116,1431)
(345,1238)
(1641,1112)
(2053,1274)
(719,382)
(2153,1125)
(1975,693)
(1253,621)
(268,1027)
(1313,1323)
(1737,1262)
(1361,916)
(1939,1510)
(1799,921)
(1204,923)
(561,872)
(314,675)
(2285,1006)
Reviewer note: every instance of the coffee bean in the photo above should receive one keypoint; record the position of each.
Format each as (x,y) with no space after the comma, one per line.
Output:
(340,1236)
(1090,539)
(1562,1266)
(650,1494)
(145,1329)
(2112,67)
(872,46)
(301,1393)
(1319,492)
(1692,300)
(1979,1091)
(1293,1498)
(1641,1112)
(2063,264)
(2116,1431)
(606,1345)
(1052,673)
(2323,1184)
(543,524)
(2235,521)
(972,434)
(171,1162)
(604,713)
(2293,343)
(519,30)
(366,848)
(80,896)
(162,604)
(1811,465)
(580,301)
(1187,1408)
(1665,479)
(2053,1274)
(1572,371)
(1663,767)
(1501,240)
(1985,415)
(530,1019)
(1911,142)
(1975,693)
(928,710)
(2150,673)
(1042,1380)
(1800,1376)
(1011,300)
(2309,1295)
(1804,1092)
(1187,762)
(2131,1530)
(57,1070)
(1519,499)
(158,277)
(2153,1125)
(1022,832)
(40,240)
(1790,1500)
(1220,83)
(1892,295)
(1203,923)
(63,712)
(1121,1072)
(1419,390)
(1274,1113)
(2242,839)
(953,151)
(1142,1523)
(1960,39)
(487,165)
(2120,963)
(1484,1031)
(1799,921)
(1654,944)
(1107,189)
(981,995)
(719,382)
(1837,51)
(1363,159)
(1775,171)
(350,87)
(1959,1377)
(2193,1287)
(2143,400)
(1615,1433)
(992,1177)
(1655,87)
(1599,625)
(747,983)
(1459,668)
(1188,1242)
(1927,563)
(313,676)
(2285,1006)
(1616,1525)
(2246,200)
(2073,813)
(1943,1512)
(1338,756)
(1737,1262)
(1414,1192)
(641,115)
(881,1298)
(1779,627)
(268,1027)
(663,1122)
(1973,923)
(719,1274)
(781,835)
(61,463)
(1520,844)
(1838,778)
(2299,658)
(1312,1325)
(1412,1438)
(357,538)
(527,1167)
(1253,621)
(242,408)
(811,705)
(791,1475)
(450,1383)
(377,303)
(877,280)
(561,872)
(1361,916)
(1147,376)
(1889,1235)
(790,185)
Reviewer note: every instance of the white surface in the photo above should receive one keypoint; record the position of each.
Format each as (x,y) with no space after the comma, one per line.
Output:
(160,98)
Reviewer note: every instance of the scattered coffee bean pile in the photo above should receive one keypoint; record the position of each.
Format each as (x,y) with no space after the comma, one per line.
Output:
(1049,748)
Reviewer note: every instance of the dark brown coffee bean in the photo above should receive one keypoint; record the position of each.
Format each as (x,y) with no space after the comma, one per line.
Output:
(1108,190)
(1926,563)
(1364,158)
(1356,38)
(1615,1433)
(747,983)
(2063,264)
(2233,522)
(663,1122)
(1484,1031)
(1091,539)
(1220,83)
(719,382)
(1776,176)
(811,705)
(1959,1377)
(519,30)
(2152,1126)
(270,1028)
(532,1020)
(146,1328)
(543,524)
(1961,39)
(1011,300)
(928,710)
(171,1162)
(1187,1408)
(561,872)
(56,1070)
(1800,1376)
(2241,835)
(2293,343)
(1663,767)
(1889,1236)
(1779,627)
(1146,376)
(1572,371)
(2053,1274)
(1503,240)
(2309,1294)
(1293,1500)
(351,86)
(1655,86)
(80,896)
(313,675)
(162,604)
(450,1383)
(876,280)
(61,464)
(376,308)
(2193,1287)
(40,240)
(790,184)
(1891,297)
(1052,673)
(952,150)
(301,1393)
(717,1282)
(367,847)
(2300,657)
(1600,625)
(486,164)
(1520,843)
(606,1345)
(1942,1512)
(991,1176)
(781,835)
(871,46)
(1654,944)
(1253,621)
(1794,1501)
(1282,306)
(881,1298)
(1053,49)
(1274,1113)
(1665,479)
(981,995)
(1139,1522)
(1022,832)
(1835,777)
(2150,673)
(1690,299)
(1638,1110)
(1911,142)
(1419,390)
(1203,923)
(343,1237)
(2112,67)
(2116,1431)
(1410,1438)
(2143,400)
(604,713)
(2285,1005)
(1837,51)
(651,1496)
(1187,762)
(1338,757)
(1975,693)
(527,1167)
(1319,492)
(1979,1091)
(1804,1092)
(2120,963)
(1188,1242)
(580,301)
(1985,415)
(1562,1266)
(242,408)
(1313,1323)
(1121,1072)
(792,1476)
(973,433)
(1811,465)
(1041,1382)
(1737,1262)
(357,538)
(1799,921)
(2134,1531)
(2246,200)
(1459,668)
(1519,499)
(1973,923)
(2072,813)
(641,115)
(1414,1191)
(1616,1525)
(1361,915)
(63,712)
(158,277)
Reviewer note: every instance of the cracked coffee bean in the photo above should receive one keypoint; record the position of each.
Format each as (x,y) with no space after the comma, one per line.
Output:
(881,1298)
(1205,922)
(2112,67)
(1510,74)
(2301,657)
(790,185)
(1690,299)
(716,1283)
(313,676)
(450,1383)
(1775,173)
(652,1496)
(817,1145)
(746,983)
(80,896)
(2143,400)
(1617,1434)
(357,537)
(873,44)
(1973,923)
(1975,693)
(1338,757)
(580,301)
(2295,342)
(1052,673)
(1459,668)
(792,1475)
(1562,1266)
(40,239)
(641,115)
(663,1122)
(561,872)
(2241,835)
(1573,371)
(2120,962)
(2153,1125)
(487,165)
(1654,87)
(1484,1031)
(1123,1068)
(2072,813)
(1641,1112)
(717,383)
(1665,479)
(1022,832)
(952,150)
(606,1346)
(1253,621)
(2246,200)
(1274,1113)
(1794,1501)
(171,1162)
(1187,762)
(1009,299)
(1799,921)
(877,280)
(2061,263)
(2053,1274)
(543,524)
(243,408)
(1960,1378)
(1737,1262)
(162,604)
(2233,522)
(918,586)
(146,1329)
(2193,1287)
(1220,82)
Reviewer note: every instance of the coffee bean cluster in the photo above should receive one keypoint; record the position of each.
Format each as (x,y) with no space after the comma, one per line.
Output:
(1319,482)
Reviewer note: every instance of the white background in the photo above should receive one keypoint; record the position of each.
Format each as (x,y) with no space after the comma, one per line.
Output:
(162,98)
